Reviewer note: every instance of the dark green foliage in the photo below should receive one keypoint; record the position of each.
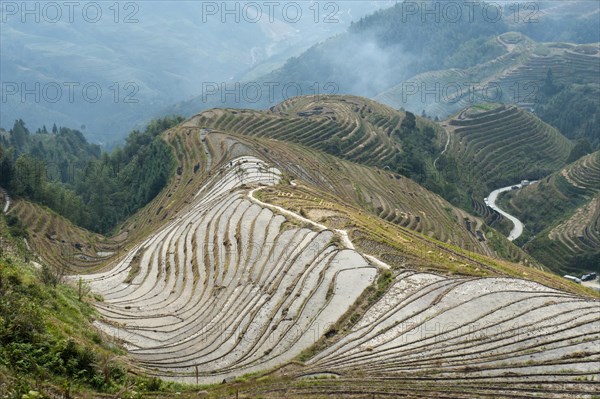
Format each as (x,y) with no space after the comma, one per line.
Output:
(581,149)
(19,135)
(550,88)
(334,146)
(409,124)
(572,109)
(417,149)
(473,52)
(74,178)
(384,281)
(586,262)
(15,227)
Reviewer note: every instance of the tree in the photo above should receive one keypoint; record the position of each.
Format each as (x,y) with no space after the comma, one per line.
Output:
(18,135)
(82,289)
(409,123)
(583,147)
(550,88)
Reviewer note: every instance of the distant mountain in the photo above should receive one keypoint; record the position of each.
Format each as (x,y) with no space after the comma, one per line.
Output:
(435,65)
(376,52)
(143,56)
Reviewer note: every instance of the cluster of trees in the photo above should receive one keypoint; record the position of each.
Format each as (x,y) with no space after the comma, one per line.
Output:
(418,151)
(573,109)
(418,146)
(414,160)
(94,189)
(436,40)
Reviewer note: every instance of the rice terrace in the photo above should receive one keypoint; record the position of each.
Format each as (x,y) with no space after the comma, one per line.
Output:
(384,239)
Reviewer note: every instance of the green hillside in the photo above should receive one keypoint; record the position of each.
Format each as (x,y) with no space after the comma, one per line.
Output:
(558,81)
(496,147)
(281,261)
(561,214)
(48,344)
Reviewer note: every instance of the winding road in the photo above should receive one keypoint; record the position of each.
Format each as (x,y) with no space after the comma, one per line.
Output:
(491,202)
(6,199)
(445,147)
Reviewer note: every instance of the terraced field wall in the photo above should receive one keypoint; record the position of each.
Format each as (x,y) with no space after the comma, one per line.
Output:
(503,146)
(563,211)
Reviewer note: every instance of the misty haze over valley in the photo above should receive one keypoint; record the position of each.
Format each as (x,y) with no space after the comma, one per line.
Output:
(300,199)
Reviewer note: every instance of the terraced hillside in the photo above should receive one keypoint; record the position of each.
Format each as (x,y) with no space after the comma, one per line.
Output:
(352,128)
(562,213)
(465,330)
(516,77)
(355,128)
(227,269)
(445,92)
(390,196)
(63,245)
(261,254)
(501,146)
(234,285)
(385,194)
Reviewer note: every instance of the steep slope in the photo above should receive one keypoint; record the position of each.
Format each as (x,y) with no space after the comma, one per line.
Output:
(63,245)
(48,342)
(500,146)
(260,254)
(519,76)
(561,213)
(353,128)
(382,193)
(363,131)
(466,330)
(226,287)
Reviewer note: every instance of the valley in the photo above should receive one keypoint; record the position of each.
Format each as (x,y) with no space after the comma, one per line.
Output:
(267,259)
(246,276)
(345,200)
(491,202)
(564,225)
